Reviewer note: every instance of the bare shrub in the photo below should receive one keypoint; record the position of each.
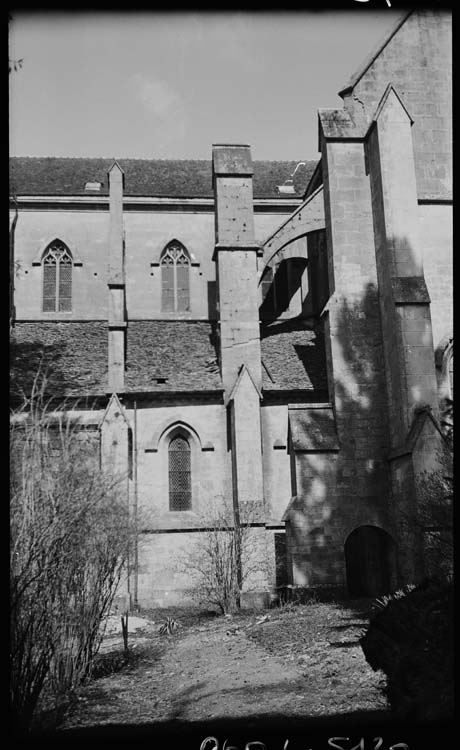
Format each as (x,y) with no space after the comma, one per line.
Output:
(227,555)
(70,538)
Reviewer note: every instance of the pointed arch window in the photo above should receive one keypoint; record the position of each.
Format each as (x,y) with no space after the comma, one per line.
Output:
(180,476)
(175,278)
(57,278)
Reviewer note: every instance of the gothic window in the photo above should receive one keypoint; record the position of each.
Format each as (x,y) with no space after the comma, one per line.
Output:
(180,484)
(57,278)
(175,282)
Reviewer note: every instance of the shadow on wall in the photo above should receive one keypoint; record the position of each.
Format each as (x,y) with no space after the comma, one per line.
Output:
(212,299)
(346,488)
(280,287)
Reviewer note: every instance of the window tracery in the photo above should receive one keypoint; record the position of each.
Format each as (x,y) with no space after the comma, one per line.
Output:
(175,278)
(57,278)
(179,472)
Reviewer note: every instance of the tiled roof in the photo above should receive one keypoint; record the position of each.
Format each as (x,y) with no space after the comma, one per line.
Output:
(293,357)
(181,352)
(161,357)
(180,178)
(74,355)
(71,355)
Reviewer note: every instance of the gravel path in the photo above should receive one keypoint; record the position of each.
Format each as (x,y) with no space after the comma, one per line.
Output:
(211,671)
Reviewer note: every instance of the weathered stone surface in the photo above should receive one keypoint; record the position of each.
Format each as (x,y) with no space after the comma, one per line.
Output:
(313,428)
(232,160)
(354,333)
(417,60)
(409,290)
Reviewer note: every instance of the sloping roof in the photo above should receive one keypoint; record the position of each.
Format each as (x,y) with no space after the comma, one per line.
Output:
(182,178)
(71,355)
(182,352)
(74,356)
(162,356)
(293,357)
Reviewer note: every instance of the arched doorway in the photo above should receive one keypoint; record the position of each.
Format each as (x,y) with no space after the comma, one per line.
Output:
(369,560)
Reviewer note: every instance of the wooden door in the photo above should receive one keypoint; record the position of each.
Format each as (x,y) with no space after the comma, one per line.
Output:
(369,560)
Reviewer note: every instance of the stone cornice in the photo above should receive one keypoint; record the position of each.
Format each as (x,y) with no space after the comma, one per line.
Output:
(144,204)
(219,247)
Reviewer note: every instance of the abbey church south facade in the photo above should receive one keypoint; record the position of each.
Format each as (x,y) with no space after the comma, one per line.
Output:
(269,334)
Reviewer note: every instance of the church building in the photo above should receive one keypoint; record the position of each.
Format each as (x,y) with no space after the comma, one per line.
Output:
(274,335)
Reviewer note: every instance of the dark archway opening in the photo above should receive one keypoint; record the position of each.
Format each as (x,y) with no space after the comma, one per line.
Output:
(279,287)
(370,561)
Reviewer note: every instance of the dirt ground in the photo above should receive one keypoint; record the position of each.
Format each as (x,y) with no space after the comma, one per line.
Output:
(299,661)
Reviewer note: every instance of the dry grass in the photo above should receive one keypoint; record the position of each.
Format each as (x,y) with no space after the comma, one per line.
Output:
(317,644)
(322,641)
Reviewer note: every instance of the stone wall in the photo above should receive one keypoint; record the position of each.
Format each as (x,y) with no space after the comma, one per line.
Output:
(86,234)
(436,238)
(337,492)
(146,233)
(276,461)
(418,62)
(238,310)
(210,462)
(165,561)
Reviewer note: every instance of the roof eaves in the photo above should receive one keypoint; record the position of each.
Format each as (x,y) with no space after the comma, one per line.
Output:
(172,394)
(315,175)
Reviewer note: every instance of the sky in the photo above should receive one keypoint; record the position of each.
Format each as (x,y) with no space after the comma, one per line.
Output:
(168,86)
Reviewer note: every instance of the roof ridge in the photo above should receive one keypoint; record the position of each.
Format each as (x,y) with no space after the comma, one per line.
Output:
(135,158)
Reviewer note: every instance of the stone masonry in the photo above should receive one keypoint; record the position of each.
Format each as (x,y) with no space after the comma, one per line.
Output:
(307,376)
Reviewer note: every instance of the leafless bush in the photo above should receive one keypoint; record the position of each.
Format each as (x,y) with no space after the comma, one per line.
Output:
(227,555)
(70,537)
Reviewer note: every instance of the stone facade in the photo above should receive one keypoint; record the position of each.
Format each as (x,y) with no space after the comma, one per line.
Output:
(297,342)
